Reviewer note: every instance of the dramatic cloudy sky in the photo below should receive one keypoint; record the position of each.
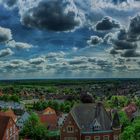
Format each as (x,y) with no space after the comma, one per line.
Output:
(69,38)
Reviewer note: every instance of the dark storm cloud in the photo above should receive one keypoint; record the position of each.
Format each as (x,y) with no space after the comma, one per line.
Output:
(134,27)
(113,51)
(123,44)
(130,53)
(56,15)
(94,40)
(126,41)
(107,23)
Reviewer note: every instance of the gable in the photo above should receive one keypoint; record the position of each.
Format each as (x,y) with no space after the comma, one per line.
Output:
(70,121)
(85,114)
(48,111)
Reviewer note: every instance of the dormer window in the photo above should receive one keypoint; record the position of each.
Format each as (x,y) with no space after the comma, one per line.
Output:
(96,125)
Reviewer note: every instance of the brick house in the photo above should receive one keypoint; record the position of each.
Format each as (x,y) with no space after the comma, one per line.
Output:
(130,110)
(49,118)
(90,122)
(8,129)
(9,113)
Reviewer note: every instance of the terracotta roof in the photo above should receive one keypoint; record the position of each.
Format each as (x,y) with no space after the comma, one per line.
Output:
(86,114)
(49,120)
(49,110)
(4,120)
(9,113)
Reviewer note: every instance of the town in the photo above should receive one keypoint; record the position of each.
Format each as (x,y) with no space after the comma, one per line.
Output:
(72,110)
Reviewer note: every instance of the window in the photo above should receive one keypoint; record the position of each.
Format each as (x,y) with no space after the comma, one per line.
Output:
(106,138)
(97,138)
(87,138)
(11,131)
(95,125)
(14,128)
(116,137)
(7,133)
(70,129)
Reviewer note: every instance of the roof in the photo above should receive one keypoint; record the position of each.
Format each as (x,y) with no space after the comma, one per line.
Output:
(4,120)
(131,108)
(49,110)
(20,122)
(9,113)
(50,120)
(85,115)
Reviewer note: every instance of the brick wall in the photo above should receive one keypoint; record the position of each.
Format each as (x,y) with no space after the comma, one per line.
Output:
(64,130)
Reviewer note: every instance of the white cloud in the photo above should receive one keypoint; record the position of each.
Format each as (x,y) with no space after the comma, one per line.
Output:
(6,52)
(5,35)
(19,45)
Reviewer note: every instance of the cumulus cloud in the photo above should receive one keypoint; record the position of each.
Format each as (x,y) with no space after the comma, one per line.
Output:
(56,15)
(107,23)
(9,3)
(130,53)
(126,42)
(134,27)
(7,39)
(54,55)
(6,52)
(19,45)
(5,35)
(77,61)
(37,61)
(94,40)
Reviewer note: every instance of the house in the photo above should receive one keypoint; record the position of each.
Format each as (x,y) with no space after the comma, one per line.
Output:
(17,107)
(8,129)
(131,111)
(49,118)
(21,121)
(90,122)
(9,113)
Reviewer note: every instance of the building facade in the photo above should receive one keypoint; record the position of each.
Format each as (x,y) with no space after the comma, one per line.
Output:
(89,122)
(8,129)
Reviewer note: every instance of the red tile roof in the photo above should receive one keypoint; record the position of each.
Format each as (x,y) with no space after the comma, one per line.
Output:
(9,113)
(49,120)
(4,120)
(49,110)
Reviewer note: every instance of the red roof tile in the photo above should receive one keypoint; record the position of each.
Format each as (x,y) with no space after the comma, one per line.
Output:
(9,113)
(49,120)
(4,120)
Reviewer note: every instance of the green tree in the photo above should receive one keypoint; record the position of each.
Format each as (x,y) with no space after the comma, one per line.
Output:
(132,131)
(33,129)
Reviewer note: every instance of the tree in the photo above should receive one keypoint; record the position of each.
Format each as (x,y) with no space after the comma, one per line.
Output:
(86,98)
(132,131)
(33,129)
(124,119)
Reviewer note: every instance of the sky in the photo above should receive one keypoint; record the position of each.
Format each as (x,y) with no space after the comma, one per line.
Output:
(69,39)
